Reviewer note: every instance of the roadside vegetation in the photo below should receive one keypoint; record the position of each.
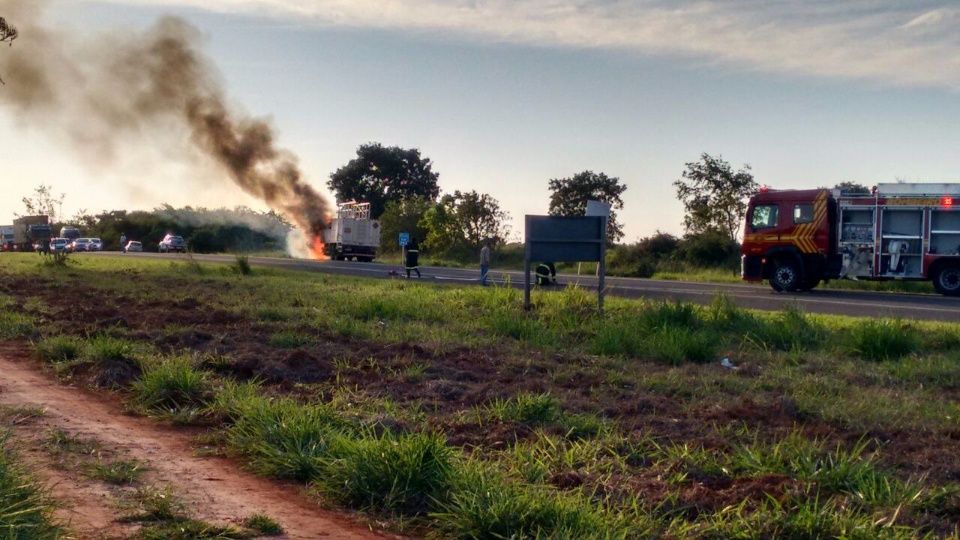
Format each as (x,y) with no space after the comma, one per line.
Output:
(450,412)
(26,510)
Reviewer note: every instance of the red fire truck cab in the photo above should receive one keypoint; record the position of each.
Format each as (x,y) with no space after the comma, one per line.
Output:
(798,238)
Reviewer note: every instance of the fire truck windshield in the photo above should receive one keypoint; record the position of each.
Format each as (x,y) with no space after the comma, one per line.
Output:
(764,216)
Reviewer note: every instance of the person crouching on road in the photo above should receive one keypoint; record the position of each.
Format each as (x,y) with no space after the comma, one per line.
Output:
(413,257)
(546,274)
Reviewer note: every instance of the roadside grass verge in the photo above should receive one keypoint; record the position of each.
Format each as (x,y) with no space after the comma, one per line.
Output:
(452,410)
(26,511)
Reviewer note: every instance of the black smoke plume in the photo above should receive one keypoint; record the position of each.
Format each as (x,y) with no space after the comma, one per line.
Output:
(97,94)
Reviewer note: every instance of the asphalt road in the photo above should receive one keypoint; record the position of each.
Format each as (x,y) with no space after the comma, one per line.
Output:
(751,296)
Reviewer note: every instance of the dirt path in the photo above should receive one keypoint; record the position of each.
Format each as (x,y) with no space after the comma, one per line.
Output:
(212,487)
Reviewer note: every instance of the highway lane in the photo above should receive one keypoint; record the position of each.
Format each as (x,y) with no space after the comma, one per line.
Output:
(745,295)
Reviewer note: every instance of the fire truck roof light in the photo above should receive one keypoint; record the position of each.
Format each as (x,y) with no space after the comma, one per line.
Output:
(947,201)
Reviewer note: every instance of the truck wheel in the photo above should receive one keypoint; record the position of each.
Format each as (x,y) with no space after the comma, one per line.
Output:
(946,280)
(785,276)
(809,284)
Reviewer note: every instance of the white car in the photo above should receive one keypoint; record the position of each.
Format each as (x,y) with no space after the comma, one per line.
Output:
(59,245)
(133,245)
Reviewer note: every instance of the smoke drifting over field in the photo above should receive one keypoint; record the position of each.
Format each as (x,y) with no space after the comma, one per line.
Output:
(153,85)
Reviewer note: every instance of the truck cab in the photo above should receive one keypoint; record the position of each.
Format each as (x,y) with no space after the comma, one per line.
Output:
(788,239)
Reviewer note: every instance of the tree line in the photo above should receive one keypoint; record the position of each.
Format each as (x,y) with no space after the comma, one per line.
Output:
(404,194)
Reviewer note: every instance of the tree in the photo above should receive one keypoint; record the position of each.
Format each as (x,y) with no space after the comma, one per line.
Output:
(714,196)
(460,223)
(7,35)
(403,216)
(43,203)
(570,196)
(379,175)
(852,188)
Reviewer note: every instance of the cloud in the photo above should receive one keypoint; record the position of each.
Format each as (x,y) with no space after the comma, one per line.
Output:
(886,41)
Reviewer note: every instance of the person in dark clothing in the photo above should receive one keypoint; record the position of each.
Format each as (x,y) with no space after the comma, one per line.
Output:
(546,274)
(413,257)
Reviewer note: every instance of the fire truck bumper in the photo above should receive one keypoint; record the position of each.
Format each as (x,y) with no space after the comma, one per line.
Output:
(751,268)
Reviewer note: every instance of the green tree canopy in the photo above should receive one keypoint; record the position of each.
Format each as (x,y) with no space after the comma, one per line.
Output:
(852,188)
(460,223)
(403,216)
(570,195)
(379,174)
(714,196)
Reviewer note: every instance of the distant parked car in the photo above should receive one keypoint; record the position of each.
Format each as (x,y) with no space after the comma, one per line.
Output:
(95,245)
(59,245)
(133,245)
(172,242)
(80,244)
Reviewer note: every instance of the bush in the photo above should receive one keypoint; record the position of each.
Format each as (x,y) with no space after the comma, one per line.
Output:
(709,249)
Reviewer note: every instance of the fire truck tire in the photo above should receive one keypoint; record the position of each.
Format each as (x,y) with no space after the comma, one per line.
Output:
(785,276)
(946,280)
(809,284)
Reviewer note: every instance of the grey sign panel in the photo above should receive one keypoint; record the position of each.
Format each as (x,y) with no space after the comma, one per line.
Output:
(567,239)
(598,208)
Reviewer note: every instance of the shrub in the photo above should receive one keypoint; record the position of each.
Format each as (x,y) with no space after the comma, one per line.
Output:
(241,265)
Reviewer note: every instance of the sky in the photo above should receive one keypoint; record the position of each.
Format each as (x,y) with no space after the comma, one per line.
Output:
(504,95)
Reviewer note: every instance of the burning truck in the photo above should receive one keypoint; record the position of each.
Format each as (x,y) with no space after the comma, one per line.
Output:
(352,234)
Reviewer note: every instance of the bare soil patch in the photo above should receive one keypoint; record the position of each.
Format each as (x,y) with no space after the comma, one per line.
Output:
(213,487)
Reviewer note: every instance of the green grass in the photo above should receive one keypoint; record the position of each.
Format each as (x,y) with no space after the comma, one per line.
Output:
(116,472)
(452,412)
(26,511)
(263,524)
(59,348)
(172,385)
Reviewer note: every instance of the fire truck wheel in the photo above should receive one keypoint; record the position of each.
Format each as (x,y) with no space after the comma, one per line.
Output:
(785,276)
(810,284)
(947,280)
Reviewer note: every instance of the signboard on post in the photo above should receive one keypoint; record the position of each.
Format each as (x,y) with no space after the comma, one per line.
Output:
(566,239)
(598,208)
(404,239)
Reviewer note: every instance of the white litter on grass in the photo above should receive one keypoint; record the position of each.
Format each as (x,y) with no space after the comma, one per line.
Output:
(726,363)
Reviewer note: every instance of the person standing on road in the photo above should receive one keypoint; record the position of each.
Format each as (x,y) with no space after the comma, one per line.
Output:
(413,257)
(484,262)
(123,242)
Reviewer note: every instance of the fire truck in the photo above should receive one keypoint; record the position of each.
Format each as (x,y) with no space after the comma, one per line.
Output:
(798,238)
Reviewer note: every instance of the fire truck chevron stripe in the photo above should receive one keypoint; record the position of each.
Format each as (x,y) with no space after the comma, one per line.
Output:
(803,236)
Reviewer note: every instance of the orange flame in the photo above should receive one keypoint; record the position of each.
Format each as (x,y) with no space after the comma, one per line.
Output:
(316,251)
